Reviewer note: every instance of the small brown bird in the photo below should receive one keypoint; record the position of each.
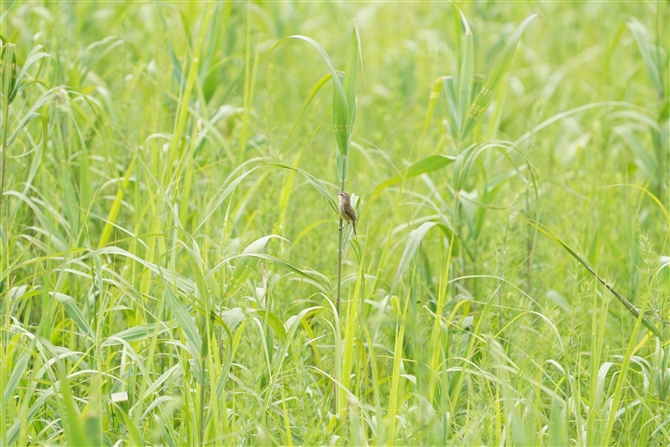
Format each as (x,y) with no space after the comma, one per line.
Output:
(346,210)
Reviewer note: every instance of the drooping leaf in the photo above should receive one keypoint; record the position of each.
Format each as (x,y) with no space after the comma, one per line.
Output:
(340,106)
(291,327)
(73,312)
(247,264)
(413,242)
(273,321)
(315,182)
(425,165)
(35,55)
(133,431)
(312,93)
(138,333)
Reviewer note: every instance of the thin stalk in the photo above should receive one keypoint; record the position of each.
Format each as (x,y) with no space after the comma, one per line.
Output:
(339,261)
(337,301)
(500,274)
(4,223)
(5,117)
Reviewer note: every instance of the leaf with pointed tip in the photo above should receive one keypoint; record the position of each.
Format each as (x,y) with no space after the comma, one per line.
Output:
(315,182)
(138,333)
(340,106)
(8,73)
(466,72)
(428,164)
(350,74)
(647,49)
(483,99)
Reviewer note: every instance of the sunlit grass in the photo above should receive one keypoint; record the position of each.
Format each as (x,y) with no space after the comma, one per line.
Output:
(172,271)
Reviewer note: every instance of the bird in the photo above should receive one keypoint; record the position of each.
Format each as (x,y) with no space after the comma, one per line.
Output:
(346,211)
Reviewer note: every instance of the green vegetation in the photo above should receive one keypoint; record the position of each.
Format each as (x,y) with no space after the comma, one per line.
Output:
(171,269)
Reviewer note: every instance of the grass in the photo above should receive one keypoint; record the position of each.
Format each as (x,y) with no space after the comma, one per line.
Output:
(172,271)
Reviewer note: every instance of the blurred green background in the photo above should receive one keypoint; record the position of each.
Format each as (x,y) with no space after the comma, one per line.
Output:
(170,255)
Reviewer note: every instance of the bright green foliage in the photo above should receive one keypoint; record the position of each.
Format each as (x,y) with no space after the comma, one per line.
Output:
(171,269)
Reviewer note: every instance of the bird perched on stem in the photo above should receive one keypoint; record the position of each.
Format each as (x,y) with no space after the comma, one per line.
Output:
(346,210)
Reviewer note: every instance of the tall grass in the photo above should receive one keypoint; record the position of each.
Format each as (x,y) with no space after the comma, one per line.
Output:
(171,268)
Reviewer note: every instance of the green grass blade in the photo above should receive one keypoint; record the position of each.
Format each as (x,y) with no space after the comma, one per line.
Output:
(648,51)
(350,74)
(246,265)
(432,101)
(413,242)
(423,166)
(340,105)
(312,93)
(483,99)
(465,74)
(74,312)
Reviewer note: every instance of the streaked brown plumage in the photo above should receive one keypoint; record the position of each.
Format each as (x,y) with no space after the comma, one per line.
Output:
(346,210)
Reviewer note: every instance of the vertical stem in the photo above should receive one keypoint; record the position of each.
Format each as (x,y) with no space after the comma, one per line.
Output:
(5,129)
(529,246)
(339,262)
(500,274)
(5,117)
(337,302)
(339,268)
(4,231)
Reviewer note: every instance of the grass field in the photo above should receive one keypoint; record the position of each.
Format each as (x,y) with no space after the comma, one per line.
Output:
(171,268)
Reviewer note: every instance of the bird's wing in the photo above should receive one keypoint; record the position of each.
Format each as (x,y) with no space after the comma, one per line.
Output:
(349,211)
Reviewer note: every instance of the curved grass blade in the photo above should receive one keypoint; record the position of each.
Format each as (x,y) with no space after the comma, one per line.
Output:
(423,166)
(138,333)
(413,242)
(74,312)
(340,106)
(315,182)
(246,265)
(312,93)
(627,304)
